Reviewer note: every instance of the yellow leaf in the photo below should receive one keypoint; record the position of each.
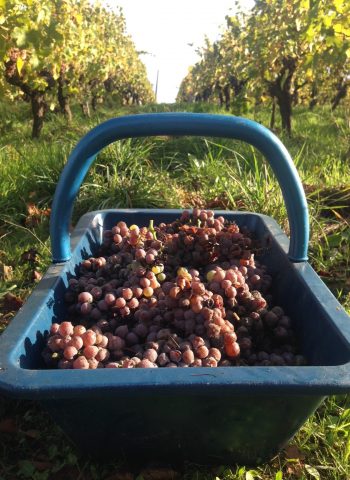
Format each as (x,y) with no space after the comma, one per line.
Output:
(309,73)
(339,5)
(19,64)
(338,28)
(327,21)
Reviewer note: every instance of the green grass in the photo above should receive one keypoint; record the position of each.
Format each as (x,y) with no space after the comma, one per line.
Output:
(171,172)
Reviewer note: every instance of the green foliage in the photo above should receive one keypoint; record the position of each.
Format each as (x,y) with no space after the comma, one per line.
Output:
(65,48)
(292,51)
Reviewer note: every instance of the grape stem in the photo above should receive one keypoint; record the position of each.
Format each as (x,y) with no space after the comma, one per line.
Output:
(174,341)
(151,229)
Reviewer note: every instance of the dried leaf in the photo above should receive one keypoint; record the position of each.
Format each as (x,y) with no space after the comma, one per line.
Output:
(67,472)
(12,302)
(32,434)
(323,273)
(30,256)
(36,276)
(296,470)
(293,452)
(8,425)
(121,476)
(41,466)
(6,272)
(159,474)
(312,471)
(35,215)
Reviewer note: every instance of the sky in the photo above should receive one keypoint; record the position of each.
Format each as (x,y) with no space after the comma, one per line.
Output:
(165,28)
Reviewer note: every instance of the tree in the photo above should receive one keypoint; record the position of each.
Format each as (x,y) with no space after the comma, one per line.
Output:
(55,49)
(288,51)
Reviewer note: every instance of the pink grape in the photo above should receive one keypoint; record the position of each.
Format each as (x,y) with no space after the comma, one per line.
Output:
(76,341)
(81,363)
(85,297)
(120,302)
(182,296)
(54,328)
(89,338)
(90,351)
(65,328)
(79,330)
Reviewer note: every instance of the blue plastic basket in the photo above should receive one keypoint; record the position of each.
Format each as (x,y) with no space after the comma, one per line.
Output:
(220,415)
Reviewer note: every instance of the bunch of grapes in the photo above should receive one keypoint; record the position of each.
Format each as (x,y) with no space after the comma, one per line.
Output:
(185,294)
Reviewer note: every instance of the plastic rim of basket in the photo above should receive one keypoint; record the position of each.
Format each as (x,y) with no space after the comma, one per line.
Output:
(192,124)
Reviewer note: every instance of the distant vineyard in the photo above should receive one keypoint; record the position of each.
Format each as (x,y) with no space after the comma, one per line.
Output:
(280,52)
(55,51)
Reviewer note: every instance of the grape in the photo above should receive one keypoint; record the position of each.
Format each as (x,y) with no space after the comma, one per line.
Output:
(145,363)
(85,308)
(163,359)
(131,338)
(79,330)
(54,328)
(110,299)
(188,356)
(93,363)
(148,292)
(96,292)
(202,352)
(116,343)
(90,351)
(89,338)
(230,339)
(209,362)
(184,296)
(175,356)
(112,365)
(76,342)
(197,362)
(70,352)
(145,282)
(102,354)
(104,342)
(141,330)
(151,355)
(120,302)
(63,363)
(128,363)
(85,297)
(232,349)
(137,292)
(81,363)
(225,363)
(102,305)
(139,253)
(127,293)
(65,328)
(122,331)
(215,353)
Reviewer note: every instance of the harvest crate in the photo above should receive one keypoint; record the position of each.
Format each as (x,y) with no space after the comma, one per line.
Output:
(217,415)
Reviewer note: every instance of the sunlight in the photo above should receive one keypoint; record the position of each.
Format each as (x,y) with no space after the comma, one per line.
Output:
(171,32)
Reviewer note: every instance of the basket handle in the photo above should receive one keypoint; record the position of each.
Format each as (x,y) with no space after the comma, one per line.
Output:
(193,124)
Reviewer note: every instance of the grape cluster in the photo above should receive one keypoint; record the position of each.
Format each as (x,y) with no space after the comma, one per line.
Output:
(185,294)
